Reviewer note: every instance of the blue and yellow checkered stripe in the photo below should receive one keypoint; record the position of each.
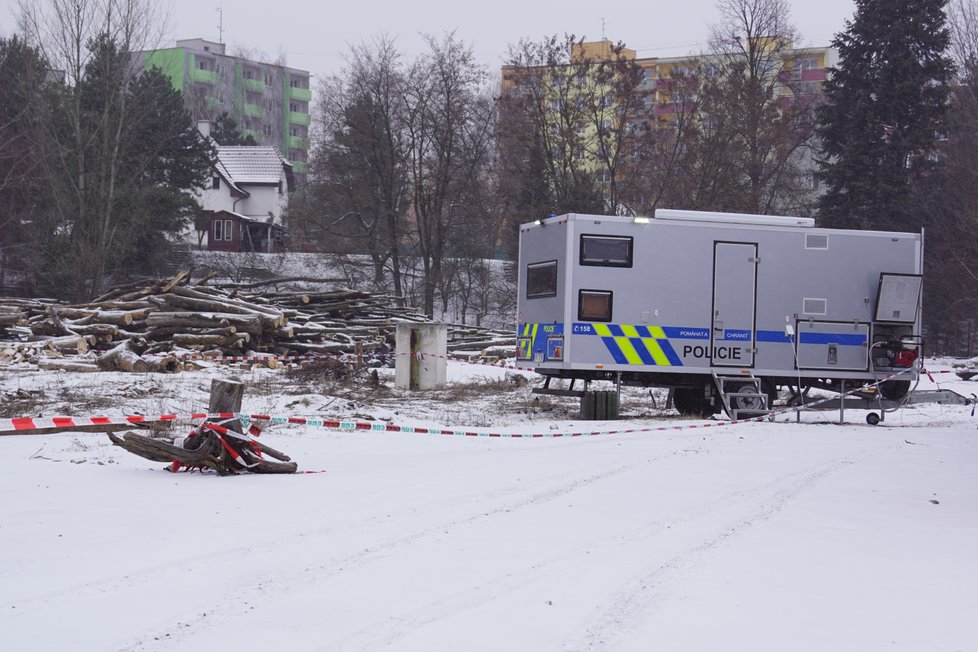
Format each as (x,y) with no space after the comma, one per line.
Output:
(533,337)
(528,335)
(634,345)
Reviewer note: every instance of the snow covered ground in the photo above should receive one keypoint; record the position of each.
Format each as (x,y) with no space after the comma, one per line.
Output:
(763,536)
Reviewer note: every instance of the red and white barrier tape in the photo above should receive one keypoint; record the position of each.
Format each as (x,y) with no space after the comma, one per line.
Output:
(38,423)
(329,356)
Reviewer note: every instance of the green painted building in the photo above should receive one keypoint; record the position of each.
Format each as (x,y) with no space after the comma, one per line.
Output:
(268,101)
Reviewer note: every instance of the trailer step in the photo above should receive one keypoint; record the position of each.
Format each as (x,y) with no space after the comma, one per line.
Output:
(749,389)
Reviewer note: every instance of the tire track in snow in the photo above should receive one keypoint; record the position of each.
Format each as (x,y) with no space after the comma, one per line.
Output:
(390,629)
(211,562)
(632,604)
(240,598)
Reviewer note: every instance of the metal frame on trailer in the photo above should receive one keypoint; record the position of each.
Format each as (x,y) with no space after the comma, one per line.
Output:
(724,308)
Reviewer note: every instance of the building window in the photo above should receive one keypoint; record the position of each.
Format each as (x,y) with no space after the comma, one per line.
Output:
(218,230)
(228,230)
(216,183)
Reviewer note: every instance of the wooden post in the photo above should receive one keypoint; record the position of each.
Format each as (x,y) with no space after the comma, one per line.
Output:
(226,396)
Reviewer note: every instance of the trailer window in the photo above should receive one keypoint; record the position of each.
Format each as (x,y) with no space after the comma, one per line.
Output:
(594,305)
(816,241)
(541,280)
(606,250)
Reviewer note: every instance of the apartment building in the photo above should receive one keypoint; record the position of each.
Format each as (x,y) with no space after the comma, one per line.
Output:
(803,70)
(269,102)
(667,90)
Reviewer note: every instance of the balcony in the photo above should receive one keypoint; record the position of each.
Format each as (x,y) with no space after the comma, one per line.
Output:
(252,110)
(256,85)
(298,142)
(300,166)
(303,94)
(257,135)
(206,76)
(299,118)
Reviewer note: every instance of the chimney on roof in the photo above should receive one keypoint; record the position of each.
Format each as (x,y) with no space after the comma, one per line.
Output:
(204,127)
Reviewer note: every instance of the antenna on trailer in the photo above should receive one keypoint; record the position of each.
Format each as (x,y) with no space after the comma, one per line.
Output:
(602,29)
(220,23)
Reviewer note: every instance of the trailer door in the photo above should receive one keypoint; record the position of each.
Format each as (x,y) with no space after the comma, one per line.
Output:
(734,293)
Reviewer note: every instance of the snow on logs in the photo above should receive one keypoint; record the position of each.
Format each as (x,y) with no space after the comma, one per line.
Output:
(152,327)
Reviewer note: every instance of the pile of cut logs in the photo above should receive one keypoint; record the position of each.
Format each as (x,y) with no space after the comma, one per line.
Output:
(156,326)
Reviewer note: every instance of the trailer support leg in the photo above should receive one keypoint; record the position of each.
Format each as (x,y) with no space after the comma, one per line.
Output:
(842,404)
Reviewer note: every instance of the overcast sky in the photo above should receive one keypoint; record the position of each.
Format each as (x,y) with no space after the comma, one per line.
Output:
(314,34)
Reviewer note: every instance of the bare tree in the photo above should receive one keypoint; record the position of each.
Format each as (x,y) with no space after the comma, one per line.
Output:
(559,126)
(449,129)
(756,118)
(85,141)
(360,159)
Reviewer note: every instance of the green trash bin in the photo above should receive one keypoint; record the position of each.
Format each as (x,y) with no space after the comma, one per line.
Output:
(599,406)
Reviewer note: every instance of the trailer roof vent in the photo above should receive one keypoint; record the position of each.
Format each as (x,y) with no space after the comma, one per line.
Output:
(814,306)
(733,218)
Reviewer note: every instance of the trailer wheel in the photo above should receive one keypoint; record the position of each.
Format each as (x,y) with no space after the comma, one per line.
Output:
(872,418)
(750,402)
(894,390)
(690,401)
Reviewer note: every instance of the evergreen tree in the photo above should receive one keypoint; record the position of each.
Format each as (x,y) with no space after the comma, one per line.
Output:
(225,131)
(24,89)
(120,154)
(885,109)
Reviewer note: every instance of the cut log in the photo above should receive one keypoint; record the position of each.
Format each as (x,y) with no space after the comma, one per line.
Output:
(243,305)
(117,317)
(207,320)
(65,365)
(74,344)
(164,364)
(122,358)
(235,341)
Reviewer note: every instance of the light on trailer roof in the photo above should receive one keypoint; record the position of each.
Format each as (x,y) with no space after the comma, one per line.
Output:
(641,220)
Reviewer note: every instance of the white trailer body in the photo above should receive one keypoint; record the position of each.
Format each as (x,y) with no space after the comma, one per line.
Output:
(686,296)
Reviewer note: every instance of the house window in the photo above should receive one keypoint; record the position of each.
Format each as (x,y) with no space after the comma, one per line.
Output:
(541,280)
(280,186)
(594,305)
(227,230)
(218,230)
(216,183)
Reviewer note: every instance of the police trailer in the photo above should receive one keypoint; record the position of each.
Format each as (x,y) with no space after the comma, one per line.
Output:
(724,309)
